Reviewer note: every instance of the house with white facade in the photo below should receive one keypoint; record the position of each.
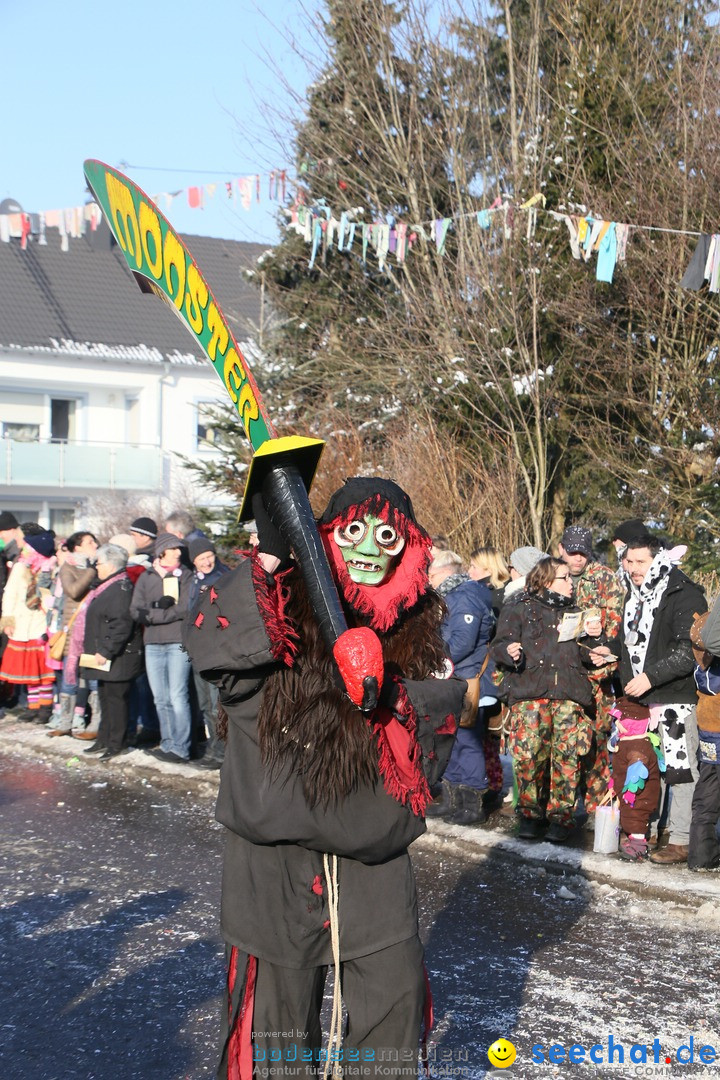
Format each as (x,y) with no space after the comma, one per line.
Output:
(102,386)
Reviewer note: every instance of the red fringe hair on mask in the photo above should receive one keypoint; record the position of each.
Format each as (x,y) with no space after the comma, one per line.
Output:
(383,604)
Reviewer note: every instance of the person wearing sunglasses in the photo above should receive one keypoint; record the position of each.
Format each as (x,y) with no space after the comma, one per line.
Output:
(550,696)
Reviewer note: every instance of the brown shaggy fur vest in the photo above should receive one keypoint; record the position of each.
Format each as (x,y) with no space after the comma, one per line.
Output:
(305,718)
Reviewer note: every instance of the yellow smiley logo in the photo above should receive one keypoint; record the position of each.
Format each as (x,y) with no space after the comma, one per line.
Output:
(502,1054)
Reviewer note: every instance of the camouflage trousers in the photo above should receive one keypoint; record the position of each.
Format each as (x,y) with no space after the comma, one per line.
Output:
(595,767)
(547,740)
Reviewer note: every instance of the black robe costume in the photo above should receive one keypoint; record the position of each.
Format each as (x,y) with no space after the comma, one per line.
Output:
(275,896)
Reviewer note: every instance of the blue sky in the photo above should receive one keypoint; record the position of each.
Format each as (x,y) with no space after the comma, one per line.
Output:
(182,94)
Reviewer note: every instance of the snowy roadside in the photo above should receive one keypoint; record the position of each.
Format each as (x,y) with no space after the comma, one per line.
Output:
(32,740)
(494,839)
(701,891)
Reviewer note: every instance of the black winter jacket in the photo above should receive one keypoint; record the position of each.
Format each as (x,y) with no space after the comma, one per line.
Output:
(669,661)
(111,631)
(547,668)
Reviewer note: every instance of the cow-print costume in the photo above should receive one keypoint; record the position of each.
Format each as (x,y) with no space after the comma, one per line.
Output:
(640,612)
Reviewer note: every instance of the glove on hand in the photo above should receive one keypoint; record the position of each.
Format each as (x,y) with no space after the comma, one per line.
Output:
(358,655)
(164,602)
(269,539)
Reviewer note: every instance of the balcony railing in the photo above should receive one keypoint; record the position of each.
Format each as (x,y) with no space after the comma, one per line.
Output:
(97,466)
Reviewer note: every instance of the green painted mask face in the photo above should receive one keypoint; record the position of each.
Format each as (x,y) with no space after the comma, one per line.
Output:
(369,547)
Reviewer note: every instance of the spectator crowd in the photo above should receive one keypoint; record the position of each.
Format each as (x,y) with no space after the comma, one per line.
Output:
(599,683)
(92,637)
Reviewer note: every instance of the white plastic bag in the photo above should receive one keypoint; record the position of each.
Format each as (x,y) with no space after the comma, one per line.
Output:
(607,828)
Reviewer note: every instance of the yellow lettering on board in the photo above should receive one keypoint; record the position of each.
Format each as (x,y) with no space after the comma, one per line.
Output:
(174,256)
(233,370)
(150,228)
(239,389)
(124,216)
(248,406)
(196,298)
(219,335)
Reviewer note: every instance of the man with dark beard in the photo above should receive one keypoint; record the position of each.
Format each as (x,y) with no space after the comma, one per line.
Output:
(321,802)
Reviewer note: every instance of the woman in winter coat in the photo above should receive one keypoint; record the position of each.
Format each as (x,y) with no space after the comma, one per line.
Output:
(466,631)
(110,633)
(76,578)
(160,604)
(548,692)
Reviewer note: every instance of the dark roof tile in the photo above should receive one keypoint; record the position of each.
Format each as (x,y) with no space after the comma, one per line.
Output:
(88,295)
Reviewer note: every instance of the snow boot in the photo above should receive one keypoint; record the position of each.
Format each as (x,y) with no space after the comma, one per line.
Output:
(470,810)
(446,804)
(530,828)
(61,722)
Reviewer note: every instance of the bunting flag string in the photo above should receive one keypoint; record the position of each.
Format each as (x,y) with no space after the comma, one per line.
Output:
(74,221)
(587,234)
(390,241)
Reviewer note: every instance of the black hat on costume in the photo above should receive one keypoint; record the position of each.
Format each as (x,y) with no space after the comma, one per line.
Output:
(146,526)
(8,521)
(199,547)
(359,489)
(165,541)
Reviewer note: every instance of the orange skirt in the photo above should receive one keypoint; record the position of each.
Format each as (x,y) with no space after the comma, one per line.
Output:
(24,662)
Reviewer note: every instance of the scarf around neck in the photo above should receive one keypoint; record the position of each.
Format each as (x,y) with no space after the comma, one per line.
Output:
(641,608)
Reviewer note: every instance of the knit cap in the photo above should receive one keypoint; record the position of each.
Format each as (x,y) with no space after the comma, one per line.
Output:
(199,547)
(525,559)
(42,542)
(8,521)
(146,526)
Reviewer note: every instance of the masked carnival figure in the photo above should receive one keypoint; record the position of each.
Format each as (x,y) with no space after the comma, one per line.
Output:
(320,802)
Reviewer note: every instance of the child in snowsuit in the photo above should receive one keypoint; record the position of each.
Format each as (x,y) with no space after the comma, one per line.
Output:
(635,777)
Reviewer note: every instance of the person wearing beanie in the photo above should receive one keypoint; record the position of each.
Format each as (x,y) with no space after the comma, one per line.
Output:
(600,596)
(8,523)
(143,726)
(314,793)
(522,561)
(25,604)
(144,532)
(632,529)
(637,762)
(656,668)
(160,604)
(207,570)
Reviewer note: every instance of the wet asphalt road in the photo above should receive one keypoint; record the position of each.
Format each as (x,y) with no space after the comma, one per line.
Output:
(111,963)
